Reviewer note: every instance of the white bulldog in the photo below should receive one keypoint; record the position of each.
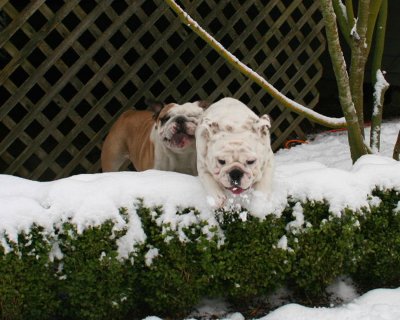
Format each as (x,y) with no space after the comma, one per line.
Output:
(233,151)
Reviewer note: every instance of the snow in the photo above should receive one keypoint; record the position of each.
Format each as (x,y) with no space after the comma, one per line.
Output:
(320,169)
(342,290)
(343,9)
(380,86)
(379,304)
(283,243)
(353,31)
(150,255)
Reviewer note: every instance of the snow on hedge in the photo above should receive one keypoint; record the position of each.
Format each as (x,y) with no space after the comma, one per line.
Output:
(314,171)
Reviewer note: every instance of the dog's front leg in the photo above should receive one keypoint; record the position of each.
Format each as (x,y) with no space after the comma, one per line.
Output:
(265,184)
(212,189)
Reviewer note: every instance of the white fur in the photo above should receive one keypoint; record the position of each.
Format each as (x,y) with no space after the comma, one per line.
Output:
(232,137)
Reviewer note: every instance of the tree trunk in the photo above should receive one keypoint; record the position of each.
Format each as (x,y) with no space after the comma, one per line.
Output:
(355,137)
(359,54)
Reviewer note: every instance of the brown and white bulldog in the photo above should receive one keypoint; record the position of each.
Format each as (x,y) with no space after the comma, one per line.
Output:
(234,152)
(161,139)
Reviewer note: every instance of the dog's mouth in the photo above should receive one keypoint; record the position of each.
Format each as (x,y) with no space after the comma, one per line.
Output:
(180,140)
(236,190)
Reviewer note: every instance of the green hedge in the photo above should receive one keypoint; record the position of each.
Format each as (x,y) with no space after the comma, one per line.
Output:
(243,257)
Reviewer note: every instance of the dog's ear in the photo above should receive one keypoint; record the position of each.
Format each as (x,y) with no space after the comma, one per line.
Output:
(262,125)
(208,129)
(211,126)
(205,131)
(154,106)
(203,104)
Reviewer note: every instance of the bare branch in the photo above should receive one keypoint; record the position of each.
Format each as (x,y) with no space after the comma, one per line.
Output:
(396,150)
(380,84)
(343,19)
(350,10)
(248,72)
(374,11)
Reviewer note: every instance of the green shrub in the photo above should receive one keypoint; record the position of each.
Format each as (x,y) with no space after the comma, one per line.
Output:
(93,282)
(180,273)
(240,258)
(27,282)
(324,246)
(380,245)
(250,263)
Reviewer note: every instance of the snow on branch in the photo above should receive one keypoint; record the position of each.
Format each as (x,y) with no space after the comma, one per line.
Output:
(380,87)
(250,73)
(353,31)
(344,10)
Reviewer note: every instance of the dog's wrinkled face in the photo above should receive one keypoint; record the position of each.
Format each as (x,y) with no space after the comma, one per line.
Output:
(236,161)
(235,156)
(176,124)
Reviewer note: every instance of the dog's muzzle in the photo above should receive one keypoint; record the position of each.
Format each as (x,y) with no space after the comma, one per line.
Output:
(235,177)
(180,138)
(180,121)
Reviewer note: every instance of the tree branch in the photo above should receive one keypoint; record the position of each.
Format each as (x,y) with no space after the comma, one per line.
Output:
(374,11)
(350,10)
(251,74)
(378,79)
(343,19)
(396,150)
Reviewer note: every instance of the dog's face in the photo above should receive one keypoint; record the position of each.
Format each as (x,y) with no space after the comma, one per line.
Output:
(236,159)
(176,124)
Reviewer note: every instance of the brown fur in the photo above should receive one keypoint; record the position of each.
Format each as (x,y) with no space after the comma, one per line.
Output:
(129,139)
(162,113)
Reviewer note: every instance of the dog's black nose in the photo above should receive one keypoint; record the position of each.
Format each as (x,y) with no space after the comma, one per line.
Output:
(235,176)
(180,120)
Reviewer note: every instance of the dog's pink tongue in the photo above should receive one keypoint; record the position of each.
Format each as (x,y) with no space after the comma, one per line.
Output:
(236,190)
(180,140)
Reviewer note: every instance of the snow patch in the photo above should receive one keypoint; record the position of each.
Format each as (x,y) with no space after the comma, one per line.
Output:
(150,256)
(342,290)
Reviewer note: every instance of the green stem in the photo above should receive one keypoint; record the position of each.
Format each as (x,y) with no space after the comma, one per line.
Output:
(374,11)
(343,20)
(350,10)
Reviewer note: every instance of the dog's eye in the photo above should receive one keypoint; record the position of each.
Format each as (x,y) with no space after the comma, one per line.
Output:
(164,120)
(250,162)
(221,162)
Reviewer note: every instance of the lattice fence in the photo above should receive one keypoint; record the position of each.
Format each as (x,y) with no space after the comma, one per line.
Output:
(69,68)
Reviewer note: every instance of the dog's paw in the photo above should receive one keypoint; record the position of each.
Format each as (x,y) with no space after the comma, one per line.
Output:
(216,201)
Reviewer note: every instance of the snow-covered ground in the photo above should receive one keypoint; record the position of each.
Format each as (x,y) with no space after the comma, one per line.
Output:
(331,148)
(320,169)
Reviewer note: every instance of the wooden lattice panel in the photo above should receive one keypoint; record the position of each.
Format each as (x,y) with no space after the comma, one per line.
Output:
(69,68)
